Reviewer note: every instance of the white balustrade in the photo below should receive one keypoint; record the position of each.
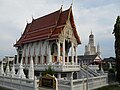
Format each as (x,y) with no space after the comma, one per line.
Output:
(17,83)
(56,67)
(84,83)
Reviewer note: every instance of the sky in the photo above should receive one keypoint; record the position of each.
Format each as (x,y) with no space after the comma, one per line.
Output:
(98,16)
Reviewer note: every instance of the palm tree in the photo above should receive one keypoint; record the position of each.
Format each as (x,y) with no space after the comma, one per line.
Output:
(116,33)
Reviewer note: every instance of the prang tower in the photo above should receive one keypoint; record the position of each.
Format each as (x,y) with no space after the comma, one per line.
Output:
(90,49)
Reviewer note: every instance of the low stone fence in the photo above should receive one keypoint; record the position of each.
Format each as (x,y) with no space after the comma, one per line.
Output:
(83,84)
(17,83)
(78,84)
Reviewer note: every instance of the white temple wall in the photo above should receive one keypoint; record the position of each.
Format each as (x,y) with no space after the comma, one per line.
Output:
(32,49)
(36,49)
(41,51)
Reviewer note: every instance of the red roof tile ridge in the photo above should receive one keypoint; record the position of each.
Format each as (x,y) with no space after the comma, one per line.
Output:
(51,30)
(47,15)
(58,20)
(42,29)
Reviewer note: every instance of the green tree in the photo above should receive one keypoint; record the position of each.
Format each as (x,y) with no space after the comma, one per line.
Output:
(116,33)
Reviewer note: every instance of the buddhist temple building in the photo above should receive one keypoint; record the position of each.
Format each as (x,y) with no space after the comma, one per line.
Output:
(48,40)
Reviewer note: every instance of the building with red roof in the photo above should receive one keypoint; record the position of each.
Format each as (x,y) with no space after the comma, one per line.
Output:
(47,41)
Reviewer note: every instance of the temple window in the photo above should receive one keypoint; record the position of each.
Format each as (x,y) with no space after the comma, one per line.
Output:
(45,59)
(28,60)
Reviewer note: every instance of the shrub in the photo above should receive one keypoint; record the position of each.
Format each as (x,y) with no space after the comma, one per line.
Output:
(48,71)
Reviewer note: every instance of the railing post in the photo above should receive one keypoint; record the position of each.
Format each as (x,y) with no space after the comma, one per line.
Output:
(20,84)
(35,83)
(71,81)
(11,81)
(71,84)
(3,80)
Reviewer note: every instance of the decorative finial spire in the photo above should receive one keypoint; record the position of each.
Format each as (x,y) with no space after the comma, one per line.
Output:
(98,49)
(91,31)
(21,33)
(61,6)
(27,21)
(16,40)
(72,3)
(62,3)
(32,18)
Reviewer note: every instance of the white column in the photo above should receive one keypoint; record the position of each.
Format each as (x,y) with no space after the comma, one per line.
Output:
(64,52)
(67,59)
(72,52)
(36,59)
(59,75)
(27,53)
(76,60)
(71,81)
(58,56)
(41,59)
(31,70)
(26,59)
(17,57)
(49,54)
(23,54)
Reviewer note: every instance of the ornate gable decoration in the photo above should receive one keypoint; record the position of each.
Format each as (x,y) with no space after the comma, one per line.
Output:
(68,33)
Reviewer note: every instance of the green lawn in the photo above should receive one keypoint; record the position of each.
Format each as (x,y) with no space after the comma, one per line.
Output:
(110,87)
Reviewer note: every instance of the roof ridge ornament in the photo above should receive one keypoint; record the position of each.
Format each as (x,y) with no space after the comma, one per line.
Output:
(91,32)
(71,4)
(27,21)
(61,8)
(62,3)
(32,18)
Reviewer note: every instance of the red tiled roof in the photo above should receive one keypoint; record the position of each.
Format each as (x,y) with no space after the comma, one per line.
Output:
(47,27)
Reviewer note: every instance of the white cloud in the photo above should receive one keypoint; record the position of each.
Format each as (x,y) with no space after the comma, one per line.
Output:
(100,20)
(89,14)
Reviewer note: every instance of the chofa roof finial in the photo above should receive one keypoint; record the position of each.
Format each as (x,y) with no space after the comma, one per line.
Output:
(72,3)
